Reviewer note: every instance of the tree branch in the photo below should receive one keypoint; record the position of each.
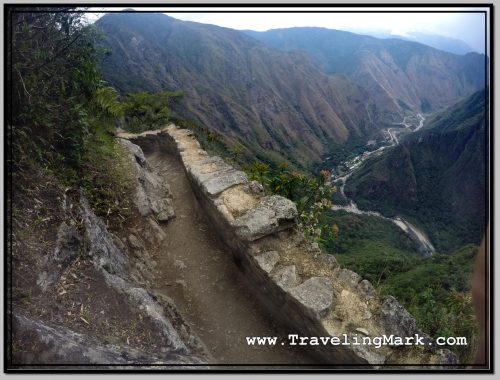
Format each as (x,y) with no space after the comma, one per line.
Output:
(58,53)
(24,85)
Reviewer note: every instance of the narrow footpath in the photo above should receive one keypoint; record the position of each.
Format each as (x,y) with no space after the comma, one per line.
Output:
(197,272)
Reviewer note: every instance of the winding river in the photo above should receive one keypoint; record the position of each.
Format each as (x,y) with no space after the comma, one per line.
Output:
(425,246)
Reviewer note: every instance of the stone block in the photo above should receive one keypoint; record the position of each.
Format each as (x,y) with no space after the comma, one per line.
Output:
(272,214)
(216,183)
(267,260)
(349,277)
(366,289)
(286,277)
(315,295)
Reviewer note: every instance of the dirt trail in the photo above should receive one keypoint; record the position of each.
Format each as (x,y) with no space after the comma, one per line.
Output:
(203,280)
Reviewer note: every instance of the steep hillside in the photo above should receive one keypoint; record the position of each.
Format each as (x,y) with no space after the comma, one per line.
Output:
(276,104)
(437,176)
(398,74)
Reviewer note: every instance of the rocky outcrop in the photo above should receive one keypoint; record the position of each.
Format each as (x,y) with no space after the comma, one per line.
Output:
(61,346)
(100,245)
(68,245)
(151,196)
(303,287)
(84,236)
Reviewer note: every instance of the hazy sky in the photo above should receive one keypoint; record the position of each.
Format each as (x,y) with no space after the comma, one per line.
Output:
(467,26)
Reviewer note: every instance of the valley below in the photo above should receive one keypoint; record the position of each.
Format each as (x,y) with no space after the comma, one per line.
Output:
(348,168)
(179,187)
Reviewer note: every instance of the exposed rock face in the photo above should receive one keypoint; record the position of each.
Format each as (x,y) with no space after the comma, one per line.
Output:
(238,201)
(68,245)
(396,319)
(152,196)
(148,303)
(256,188)
(60,346)
(100,244)
(447,358)
(349,277)
(220,181)
(367,289)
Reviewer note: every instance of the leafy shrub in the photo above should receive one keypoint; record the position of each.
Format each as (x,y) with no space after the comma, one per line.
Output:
(147,111)
(52,78)
(312,195)
(62,115)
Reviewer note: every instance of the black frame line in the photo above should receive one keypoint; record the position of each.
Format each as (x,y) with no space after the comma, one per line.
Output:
(227,368)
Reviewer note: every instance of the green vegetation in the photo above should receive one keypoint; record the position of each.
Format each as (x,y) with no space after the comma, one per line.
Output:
(147,111)
(63,114)
(236,86)
(435,290)
(375,248)
(437,177)
(52,81)
(107,177)
(61,122)
(466,114)
(339,153)
(312,195)
(337,198)
(62,117)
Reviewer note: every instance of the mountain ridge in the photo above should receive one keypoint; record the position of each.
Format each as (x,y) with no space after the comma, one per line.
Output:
(398,62)
(436,176)
(278,105)
(236,85)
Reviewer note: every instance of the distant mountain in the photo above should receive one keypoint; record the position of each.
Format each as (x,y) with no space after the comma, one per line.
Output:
(448,44)
(436,177)
(278,105)
(281,105)
(451,45)
(398,74)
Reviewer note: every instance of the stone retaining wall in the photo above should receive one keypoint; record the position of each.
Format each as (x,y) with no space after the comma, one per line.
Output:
(303,287)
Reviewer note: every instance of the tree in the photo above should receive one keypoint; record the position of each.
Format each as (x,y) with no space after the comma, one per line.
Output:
(53,75)
(146,111)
